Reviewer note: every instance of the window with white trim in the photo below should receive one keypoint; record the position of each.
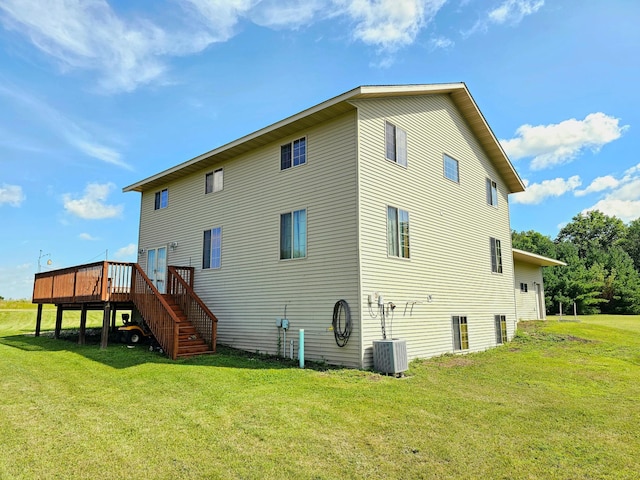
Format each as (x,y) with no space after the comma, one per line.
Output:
(293,153)
(161,199)
(492,193)
(524,287)
(501,328)
(293,235)
(397,232)
(460,332)
(496,255)
(395,144)
(451,168)
(214,181)
(212,248)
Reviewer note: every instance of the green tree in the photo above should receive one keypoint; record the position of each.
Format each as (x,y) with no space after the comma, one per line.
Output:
(592,232)
(631,242)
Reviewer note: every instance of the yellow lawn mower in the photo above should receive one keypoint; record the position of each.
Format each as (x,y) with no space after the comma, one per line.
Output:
(133,333)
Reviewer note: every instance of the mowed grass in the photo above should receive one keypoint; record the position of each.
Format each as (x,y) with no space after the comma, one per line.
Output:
(559,401)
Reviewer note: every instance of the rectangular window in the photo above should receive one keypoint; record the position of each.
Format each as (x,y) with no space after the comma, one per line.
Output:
(293,235)
(524,288)
(212,248)
(492,193)
(501,328)
(460,333)
(397,232)
(496,256)
(395,144)
(162,199)
(451,169)
(213,181)
(293,154)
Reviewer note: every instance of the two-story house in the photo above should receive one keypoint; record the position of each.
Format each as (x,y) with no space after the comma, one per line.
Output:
(393,199)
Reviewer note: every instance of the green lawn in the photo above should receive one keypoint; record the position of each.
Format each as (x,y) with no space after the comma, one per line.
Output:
(560,401)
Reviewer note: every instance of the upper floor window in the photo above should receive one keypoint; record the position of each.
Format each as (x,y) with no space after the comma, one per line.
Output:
(460,333)
(213,181)
(492,192)
(396,144)
(162,199)
(397,232)
(212,248)
(496,256)
(451,169)
(293,235)
(293,153)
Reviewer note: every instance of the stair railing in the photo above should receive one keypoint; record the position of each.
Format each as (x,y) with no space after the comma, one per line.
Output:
(156,311)
(197,312)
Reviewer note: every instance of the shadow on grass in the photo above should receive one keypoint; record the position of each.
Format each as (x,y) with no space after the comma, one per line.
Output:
(118,355)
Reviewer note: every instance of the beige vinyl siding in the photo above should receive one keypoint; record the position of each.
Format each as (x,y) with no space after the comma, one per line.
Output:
(449,272)
(527,303)
(253,286)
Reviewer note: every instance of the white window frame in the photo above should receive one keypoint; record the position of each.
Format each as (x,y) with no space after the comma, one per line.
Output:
(452,161)
(492,192)
(496,255)
(301,159)
(294,239)
(500,322)
(395,144)
(161,199)
(214,181)
(460,338)
(398,239)
(214,247)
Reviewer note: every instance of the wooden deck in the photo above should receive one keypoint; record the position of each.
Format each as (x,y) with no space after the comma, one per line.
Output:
(112,286)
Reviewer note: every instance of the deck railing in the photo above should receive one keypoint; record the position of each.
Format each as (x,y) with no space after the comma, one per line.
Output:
(156,312)
(180,283)
(93,282)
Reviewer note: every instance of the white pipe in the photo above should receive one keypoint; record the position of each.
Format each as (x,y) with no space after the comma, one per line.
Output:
(291,349)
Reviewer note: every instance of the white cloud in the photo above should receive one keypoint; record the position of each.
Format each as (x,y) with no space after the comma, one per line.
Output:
(11,195)
(623,196)
(510,12)
(562,142)
(537,192)
(286,13)
(128,52)
(513,11)
(441,42)
(69,130)
(128,252)
(389,24)
(87,236)
(92,205)
(598,185)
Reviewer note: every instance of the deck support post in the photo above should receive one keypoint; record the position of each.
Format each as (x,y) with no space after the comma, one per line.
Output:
(39,320)
(83,324)
(113,318)
(104,339)
(56,333)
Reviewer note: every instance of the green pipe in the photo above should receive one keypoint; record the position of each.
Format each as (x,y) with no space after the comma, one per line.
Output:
(301,348)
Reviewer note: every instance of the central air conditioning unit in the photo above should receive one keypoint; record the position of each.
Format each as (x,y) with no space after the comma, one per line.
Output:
(390,356)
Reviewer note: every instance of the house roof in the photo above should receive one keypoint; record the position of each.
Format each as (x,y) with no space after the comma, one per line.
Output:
(336,106)
(528,257)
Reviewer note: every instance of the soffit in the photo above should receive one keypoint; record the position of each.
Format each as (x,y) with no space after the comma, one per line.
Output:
(337,106)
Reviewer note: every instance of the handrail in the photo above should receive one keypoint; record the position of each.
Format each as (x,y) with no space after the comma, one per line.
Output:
(155,310)
(92,282)
(204,321)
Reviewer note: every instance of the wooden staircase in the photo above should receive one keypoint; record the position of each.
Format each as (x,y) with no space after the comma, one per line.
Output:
(190,342)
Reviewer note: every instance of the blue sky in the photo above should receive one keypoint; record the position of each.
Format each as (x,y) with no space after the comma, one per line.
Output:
(96,95)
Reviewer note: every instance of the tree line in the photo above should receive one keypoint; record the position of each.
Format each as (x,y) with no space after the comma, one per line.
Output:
(602,254)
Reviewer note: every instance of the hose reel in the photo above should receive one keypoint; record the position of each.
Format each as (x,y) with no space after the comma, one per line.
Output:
(341,322)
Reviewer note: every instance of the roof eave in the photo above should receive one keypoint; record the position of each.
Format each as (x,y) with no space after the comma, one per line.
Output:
(535,259)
